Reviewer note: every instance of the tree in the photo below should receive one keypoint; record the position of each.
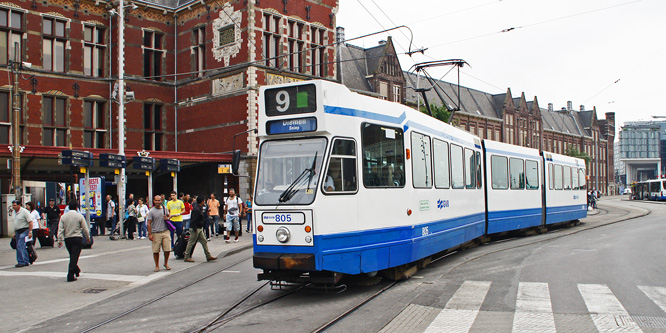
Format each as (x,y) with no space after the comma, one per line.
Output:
(440,112)
(574,152)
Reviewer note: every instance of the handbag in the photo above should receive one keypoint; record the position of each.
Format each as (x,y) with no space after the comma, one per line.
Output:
(168,223)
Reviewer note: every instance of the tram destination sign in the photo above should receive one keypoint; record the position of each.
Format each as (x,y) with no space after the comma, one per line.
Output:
(297,125)
(291,100)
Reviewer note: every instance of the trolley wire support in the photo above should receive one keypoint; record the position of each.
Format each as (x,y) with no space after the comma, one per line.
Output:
(421,68)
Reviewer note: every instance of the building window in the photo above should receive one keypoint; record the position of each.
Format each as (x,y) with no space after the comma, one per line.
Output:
(94,117)
(296,45)
(318,52)
(53,44)
(54,121)
(152,125)
(152,55)
(6,114)
(272,39)
(397,93)
(11,30)
(198,49)
(94,49)
(384,90)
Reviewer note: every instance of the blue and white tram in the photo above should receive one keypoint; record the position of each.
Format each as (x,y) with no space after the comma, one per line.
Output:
(349,184)
(656,189)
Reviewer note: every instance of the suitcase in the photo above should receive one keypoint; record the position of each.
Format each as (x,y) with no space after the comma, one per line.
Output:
(45,238)
(87,245)
(93,228)
(181,245)
(32,255)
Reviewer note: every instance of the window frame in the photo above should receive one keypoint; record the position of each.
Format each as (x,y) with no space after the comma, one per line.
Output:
(152,51)
(427,154)
(493,172)
(95,46)
(52,125)
(365,163)
(12,33)
(156,135)
(95,129)
(342,175)
(435,164)
(55,39)
(199,50)
(521,180)
(528,184)
(462,165)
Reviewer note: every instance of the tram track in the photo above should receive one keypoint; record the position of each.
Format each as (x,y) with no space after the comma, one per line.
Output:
(158,298)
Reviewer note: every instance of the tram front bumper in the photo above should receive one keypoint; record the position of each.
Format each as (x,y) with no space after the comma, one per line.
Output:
(284,261)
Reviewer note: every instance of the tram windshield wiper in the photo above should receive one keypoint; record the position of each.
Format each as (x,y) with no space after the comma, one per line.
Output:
(293,188)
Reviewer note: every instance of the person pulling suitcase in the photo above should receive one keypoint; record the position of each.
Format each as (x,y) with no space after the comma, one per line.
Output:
(197,233)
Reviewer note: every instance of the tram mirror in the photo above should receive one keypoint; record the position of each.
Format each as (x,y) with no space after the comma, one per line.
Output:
(235,161)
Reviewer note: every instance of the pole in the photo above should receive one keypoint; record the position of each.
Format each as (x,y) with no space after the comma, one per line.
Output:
(175,181)
(150,188)
(16,150)
(121,111)
(86,201)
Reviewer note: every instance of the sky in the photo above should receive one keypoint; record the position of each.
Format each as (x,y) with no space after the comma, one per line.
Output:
(608,54)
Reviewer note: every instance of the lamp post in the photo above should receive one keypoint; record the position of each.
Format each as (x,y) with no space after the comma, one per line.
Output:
(16,114)
(121,104)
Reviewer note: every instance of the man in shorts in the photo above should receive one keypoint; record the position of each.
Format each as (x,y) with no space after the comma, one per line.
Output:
(158,232)
(233,206)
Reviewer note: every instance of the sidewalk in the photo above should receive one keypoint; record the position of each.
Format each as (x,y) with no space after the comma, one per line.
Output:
(40,291)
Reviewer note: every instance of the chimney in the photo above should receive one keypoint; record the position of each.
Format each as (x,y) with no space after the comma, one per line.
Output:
(569,106)
(339,34)
(582,107)
(382,42)
(550,107)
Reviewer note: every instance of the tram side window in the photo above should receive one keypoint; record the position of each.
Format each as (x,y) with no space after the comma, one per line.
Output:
(654,186)
(517,168)
(574,179)
(567,178)
(421,161)
(581,179)
(457,167)
(558,177)
(341,174)
(551,176)
(479,178)
(470,169)
(499,170)
(441,158)
(383,157)
(531,175)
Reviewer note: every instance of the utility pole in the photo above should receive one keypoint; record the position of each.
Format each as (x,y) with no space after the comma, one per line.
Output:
(16,105)
(121,111)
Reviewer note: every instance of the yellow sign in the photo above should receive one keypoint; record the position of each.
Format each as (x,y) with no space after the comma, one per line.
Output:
(173,174)
(148,173)
(116,171)
(224,168)
(99,213)
(82,170)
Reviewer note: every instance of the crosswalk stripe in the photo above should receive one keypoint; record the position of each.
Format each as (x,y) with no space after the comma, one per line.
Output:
(606,311)
(534,312)
(461,310)
(656,294)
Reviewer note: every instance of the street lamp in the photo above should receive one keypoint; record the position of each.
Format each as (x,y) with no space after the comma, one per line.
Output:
(16,65)
(121,101)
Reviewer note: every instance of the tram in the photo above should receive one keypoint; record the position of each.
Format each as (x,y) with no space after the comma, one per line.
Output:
(348,184)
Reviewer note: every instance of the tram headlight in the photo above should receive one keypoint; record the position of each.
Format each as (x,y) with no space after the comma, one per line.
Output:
(282,234)
(308,239)
(260,238)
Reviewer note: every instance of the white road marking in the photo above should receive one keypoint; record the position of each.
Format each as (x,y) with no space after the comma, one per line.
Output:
(656,294)
(95,276)
(461,310)
(606,311)
(534,312)
(38,263)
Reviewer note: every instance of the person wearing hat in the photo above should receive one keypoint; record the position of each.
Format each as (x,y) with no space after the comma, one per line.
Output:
(52,215)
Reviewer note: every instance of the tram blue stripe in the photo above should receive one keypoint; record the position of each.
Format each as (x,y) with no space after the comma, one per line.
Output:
(500,221)
(565,213)
(364,114)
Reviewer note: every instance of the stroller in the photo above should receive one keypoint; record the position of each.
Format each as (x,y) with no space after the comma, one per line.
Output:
(115,233)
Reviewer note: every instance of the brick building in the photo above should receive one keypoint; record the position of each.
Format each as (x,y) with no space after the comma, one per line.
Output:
(194,68)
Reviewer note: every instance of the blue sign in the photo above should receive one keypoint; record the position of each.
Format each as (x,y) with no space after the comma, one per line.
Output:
(292,125)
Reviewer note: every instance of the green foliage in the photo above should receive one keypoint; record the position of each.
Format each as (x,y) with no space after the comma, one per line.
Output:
(438,111)
(574,152)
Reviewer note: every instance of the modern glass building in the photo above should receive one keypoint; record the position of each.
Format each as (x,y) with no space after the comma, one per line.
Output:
(641,145)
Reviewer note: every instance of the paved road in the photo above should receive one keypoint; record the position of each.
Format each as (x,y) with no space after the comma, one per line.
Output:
(585,278)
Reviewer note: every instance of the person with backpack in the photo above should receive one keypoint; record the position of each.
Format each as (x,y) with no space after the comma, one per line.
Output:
(196,231)
(233,209)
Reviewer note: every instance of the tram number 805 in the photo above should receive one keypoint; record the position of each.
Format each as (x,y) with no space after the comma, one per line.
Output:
(283,218)
(424,231)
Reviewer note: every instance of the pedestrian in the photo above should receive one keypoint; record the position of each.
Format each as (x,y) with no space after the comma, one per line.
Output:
(176,209)
(188,210)
(34,216)
(214,214)
(22,229)
(52,215)
(248,212)
(110,213)
(232,209)
(196,232)
(141,218)
(73,227)
(158,232)
(132,213)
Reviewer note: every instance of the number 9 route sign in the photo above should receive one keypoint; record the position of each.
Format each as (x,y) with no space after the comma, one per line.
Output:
(291,100)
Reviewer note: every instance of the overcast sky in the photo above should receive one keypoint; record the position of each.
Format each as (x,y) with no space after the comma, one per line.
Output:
(558,51)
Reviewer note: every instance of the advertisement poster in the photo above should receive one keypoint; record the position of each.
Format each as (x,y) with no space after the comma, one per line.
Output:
(94,201)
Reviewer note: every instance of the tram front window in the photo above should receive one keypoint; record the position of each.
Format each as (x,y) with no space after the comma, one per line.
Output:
(286,174)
